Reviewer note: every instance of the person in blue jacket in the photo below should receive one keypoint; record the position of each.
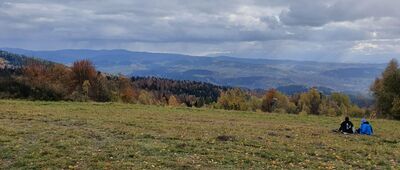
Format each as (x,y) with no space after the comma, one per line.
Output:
(365,128)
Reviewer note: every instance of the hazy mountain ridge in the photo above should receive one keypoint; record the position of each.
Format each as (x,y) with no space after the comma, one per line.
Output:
(11,60)
(228,71)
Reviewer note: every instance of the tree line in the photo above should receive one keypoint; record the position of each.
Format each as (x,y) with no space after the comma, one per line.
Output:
(311,102)
(43,80)
(29,78)
(385,90)
(82,82)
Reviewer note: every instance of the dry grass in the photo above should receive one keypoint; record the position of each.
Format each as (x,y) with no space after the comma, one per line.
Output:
(37,135)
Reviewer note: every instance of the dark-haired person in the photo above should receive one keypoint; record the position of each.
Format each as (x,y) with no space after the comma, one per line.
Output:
(365,128)
(346,126)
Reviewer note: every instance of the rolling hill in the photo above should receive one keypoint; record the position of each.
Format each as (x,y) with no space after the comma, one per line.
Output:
(227,71)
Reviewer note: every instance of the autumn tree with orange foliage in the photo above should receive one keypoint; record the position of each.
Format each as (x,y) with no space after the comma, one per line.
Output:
(275,101)
(101,89)
(81,71)
(35,74)
(47,78)
(269,101)
(126,91)
(173,101)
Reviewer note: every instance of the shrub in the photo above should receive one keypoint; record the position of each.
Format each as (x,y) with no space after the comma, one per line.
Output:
(173,101)
(234,99)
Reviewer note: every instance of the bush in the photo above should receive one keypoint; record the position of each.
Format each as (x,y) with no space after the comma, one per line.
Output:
(355,111)
(146,97)
(234,99)
(173,101)
(273,100)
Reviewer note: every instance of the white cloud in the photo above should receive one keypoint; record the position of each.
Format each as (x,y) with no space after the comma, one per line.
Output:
(364,46)
(301,29)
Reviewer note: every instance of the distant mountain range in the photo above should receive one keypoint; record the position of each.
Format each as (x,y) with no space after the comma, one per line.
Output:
(226,71)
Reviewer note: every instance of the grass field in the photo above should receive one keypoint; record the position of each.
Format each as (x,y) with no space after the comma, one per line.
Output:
(37,135)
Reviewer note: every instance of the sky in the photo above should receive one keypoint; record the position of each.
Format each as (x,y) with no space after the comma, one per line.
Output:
(319,30)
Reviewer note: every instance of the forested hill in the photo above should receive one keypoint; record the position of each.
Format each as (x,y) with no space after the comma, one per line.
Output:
(31,78)
(11,60)
(225,71)
(183,89)
(39,80)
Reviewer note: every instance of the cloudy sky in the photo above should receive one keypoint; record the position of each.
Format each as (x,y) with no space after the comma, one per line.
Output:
(323,30)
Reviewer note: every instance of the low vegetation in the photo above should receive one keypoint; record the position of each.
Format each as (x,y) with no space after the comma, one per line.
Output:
(87,135)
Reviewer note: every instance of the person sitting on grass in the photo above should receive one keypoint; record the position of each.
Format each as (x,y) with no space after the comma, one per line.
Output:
(346,126)
(365,128)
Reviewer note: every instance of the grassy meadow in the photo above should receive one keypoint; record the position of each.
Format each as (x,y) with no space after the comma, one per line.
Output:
(69,135)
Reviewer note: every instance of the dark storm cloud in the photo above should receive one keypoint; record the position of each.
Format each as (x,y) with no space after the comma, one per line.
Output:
(300,29)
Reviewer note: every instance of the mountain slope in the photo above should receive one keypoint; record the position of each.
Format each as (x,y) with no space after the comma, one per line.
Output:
(228,71)
(9,60)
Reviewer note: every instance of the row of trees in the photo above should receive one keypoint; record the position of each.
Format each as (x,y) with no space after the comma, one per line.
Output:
(385,90)
(311,102)
(24,77)
(189,93)
(39,80)
(82,82)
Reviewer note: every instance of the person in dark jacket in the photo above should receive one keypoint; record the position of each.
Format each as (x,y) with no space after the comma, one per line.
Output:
(346,126)
(365,128)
